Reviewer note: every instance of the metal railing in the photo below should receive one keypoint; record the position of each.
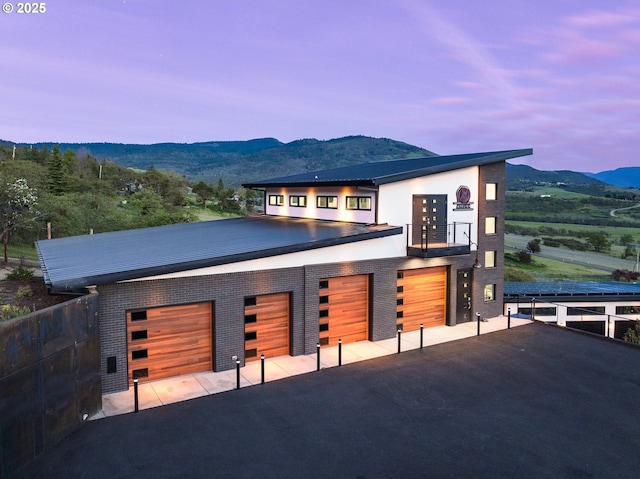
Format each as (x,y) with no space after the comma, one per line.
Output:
(594,320)
(425,236)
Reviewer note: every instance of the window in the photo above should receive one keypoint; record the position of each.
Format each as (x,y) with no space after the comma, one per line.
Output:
(276,200)
(137,335)
(627,309)
(327,202)
(358,202)
(298,200)
(138,315)
(489,259)
(586,311)
(543,311)
(140,354)
(490,225)
(492,192)
(490,292)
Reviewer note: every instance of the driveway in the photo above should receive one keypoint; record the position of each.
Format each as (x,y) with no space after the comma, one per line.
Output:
(531,402)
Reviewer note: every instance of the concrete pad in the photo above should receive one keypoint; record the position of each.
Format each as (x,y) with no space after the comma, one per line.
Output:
(123,402)
(297,364)
(366,350)
(178,389)
(218,382)
(252,372)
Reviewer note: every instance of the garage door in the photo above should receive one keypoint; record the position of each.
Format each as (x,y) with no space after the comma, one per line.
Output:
(266,326)
(169,341)
(421,298)
(344,309)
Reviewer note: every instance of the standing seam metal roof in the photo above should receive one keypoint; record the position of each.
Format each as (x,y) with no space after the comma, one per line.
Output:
(378,173)
(73,263)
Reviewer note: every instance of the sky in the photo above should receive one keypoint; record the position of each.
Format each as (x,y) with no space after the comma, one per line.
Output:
(452,76)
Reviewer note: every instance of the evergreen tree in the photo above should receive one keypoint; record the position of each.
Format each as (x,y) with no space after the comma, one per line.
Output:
(57,181)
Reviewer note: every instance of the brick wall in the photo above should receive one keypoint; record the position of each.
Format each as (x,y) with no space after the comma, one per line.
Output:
(493,173)
(227,293)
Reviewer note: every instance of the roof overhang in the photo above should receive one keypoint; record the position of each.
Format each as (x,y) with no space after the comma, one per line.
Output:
(74,263)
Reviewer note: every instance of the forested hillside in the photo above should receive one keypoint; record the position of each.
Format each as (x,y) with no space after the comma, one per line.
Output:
(79,193)
(236,162)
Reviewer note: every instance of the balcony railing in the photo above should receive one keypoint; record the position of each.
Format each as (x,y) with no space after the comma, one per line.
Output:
(432,241)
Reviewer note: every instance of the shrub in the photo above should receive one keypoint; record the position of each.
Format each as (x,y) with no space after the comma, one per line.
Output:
(20,273)
(523,256)
(533,246)
(8,312)
(624,275)
(24,292)
(633,334)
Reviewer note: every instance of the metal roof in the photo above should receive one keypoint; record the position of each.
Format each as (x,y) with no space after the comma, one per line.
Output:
(570,289)
(73,263)
(379,173)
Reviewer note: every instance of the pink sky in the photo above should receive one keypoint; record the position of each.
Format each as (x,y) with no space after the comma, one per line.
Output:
(452,76)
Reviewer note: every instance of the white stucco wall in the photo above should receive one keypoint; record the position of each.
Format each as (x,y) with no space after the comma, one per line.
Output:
(395,199)
(387,247)
(312,211)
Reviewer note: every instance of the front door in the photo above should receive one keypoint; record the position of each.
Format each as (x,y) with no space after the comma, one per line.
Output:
(463,302)
(429,219)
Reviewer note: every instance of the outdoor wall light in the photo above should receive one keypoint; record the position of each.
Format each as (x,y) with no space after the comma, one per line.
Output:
(476,263)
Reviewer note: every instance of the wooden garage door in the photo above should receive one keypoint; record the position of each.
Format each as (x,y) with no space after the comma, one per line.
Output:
(421,297)
(344,309)
(169,341)
(266,326)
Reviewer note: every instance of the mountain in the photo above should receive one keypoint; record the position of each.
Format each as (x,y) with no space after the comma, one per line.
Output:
(627,177)
(519,176)
(237,162)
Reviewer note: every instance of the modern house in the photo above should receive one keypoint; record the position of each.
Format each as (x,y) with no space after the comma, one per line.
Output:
(351,253)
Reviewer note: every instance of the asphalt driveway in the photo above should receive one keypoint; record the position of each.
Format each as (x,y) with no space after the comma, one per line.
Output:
(531,402)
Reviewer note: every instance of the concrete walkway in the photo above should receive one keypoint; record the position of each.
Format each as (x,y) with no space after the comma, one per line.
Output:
(181,388)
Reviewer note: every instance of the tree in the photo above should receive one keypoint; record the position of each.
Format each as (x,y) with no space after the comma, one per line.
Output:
(533,246)
(57,172)
(203,191)
(626,239)
(629,250)
(18,204)
(598,241)
(523,256)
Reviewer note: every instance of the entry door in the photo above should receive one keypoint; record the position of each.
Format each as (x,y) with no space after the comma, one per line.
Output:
(464,303)
(429,219)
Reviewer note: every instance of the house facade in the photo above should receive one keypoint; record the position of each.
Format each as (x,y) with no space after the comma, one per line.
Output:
(606,308)
(350,254)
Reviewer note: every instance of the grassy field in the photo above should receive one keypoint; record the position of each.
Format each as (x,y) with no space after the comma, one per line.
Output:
(614,232)
(548,190)
(23,251)
(544,269)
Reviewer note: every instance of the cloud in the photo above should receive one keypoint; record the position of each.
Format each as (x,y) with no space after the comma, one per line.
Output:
(600,18)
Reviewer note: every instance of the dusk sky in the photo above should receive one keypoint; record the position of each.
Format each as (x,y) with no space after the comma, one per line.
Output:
(452,76)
